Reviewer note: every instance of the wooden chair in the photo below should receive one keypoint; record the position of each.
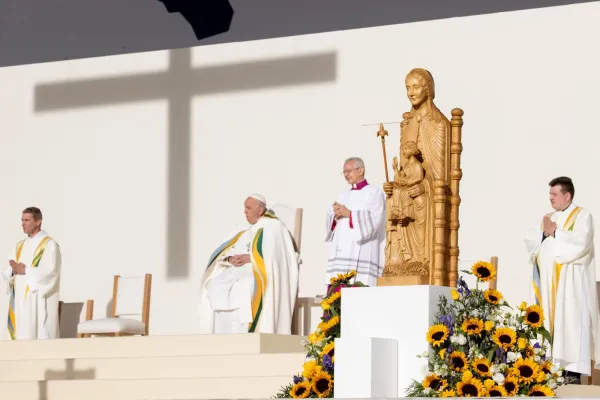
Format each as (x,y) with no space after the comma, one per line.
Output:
(470,279)
(131,297)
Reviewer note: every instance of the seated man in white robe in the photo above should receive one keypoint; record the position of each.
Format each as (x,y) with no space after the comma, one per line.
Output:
(251,282)
(32,282)
(561,249)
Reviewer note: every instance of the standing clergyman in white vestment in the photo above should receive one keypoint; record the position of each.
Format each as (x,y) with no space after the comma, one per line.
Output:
(251,282)
(561,249)
(356,228)
(32,279)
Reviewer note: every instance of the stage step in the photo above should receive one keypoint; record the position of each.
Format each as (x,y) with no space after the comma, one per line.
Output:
(147,389)
(150,346)
(234,366)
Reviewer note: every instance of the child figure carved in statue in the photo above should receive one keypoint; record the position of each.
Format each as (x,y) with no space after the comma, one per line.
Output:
(410,174)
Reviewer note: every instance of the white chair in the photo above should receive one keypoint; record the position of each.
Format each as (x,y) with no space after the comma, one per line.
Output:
(131,299)
(470,279)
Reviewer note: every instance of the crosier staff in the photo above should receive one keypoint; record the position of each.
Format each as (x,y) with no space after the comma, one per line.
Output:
(382,133)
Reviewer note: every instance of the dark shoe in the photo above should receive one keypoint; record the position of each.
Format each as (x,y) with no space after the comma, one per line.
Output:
(572,378)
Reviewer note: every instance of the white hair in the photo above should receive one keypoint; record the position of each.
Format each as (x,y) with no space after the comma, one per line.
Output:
(358,162)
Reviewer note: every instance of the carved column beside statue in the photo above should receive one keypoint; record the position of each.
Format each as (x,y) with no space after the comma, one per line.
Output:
(423,198)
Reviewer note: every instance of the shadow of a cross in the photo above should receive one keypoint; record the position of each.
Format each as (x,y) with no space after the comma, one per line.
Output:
(179,84)
(69,373)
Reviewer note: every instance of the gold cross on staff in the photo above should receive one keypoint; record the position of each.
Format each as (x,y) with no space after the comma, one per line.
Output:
(382,133)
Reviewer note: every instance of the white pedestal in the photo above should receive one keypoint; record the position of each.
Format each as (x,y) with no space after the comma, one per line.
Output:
(366,368)
(403,313)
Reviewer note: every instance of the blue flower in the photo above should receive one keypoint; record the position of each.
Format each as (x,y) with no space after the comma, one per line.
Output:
(327,363)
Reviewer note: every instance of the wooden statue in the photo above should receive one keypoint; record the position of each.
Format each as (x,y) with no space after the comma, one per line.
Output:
(423,197)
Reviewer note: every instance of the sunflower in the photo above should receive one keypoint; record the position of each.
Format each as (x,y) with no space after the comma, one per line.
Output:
(437,334)
(534,316)
(541,377)
(521,343)
(528,369)
(342,277)
(547,367)
(489,325)
(529,351)
(326,326)
(497,391)
(309,369)
(315,337)
(493,296)
(484,271)
(511,385)
(541,391)
(442,353)
(455,295)
(505,338)
(458,361)
(325,305)
(472,326)
(482,367)
(434,382)
(334,296)
(329,349)
(470,387)
(322,383)
(448,393)
(300,390)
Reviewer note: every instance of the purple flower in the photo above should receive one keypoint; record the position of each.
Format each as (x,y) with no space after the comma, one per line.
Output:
(326,317)
(501,355)
(537,345)
(450,350)
(327,363)
(298,379)
(463,285)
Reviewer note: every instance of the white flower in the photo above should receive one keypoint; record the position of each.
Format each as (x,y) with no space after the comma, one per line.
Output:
(476,313)
(498,378)
(560,379)
(552,384)
(537,359)
(512,356)
(495,369)
(556,370)
(427,390)
(458,339)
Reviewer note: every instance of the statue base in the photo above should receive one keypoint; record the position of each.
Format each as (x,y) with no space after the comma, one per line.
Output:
(403,280)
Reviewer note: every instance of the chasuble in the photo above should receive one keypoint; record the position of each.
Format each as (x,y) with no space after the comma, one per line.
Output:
(564,285)
(31,308)
(259,296)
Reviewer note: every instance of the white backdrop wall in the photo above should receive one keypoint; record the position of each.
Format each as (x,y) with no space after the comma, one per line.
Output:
(111,175)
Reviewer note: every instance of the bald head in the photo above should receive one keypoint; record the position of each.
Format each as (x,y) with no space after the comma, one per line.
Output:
(254,209)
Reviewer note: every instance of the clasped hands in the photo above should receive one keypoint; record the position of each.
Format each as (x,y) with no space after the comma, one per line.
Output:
(18,268)
(340,211)
(549,227)
(239,260)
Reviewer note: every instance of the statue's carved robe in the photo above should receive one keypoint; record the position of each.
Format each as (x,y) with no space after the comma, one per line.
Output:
(432,134)
(564,285)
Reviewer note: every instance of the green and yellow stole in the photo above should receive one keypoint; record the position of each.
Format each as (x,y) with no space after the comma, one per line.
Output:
(568,226)
(37,256)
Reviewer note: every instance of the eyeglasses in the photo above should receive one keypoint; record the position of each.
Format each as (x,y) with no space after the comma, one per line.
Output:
(347,171)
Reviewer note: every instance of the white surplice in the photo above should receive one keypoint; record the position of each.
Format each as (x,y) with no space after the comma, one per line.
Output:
(259,296)
(566,265)
(358,247)
(36,309)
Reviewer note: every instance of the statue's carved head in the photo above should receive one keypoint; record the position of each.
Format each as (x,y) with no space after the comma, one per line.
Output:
(420,87)
(410,149)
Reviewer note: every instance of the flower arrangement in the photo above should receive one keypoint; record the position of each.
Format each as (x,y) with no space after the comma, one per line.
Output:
(480,349)
(316,379)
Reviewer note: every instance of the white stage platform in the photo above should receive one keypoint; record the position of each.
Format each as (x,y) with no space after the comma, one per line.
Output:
(251,366)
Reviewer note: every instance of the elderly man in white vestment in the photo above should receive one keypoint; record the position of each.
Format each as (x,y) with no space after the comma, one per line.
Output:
(356,228)
(32,280)
(251,282)
(561,249)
